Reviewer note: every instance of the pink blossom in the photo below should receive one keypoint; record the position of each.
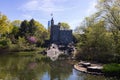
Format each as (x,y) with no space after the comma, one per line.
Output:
(32,39)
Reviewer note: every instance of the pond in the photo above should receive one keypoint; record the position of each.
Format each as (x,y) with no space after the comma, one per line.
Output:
(27,68)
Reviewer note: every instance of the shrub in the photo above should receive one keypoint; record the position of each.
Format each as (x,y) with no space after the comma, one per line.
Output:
(64,56)
(112,69)
(5,43)
(32,39)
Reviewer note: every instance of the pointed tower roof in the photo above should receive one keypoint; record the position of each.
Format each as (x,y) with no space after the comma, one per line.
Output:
(52,21)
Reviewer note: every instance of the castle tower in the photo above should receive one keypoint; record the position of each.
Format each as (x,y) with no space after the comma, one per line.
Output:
(51,29)
(52,22)
(59,36)
(54,33)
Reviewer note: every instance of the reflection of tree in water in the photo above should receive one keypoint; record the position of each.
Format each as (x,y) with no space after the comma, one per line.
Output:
(12,67)
(60,70)
(89,77)
(26,68)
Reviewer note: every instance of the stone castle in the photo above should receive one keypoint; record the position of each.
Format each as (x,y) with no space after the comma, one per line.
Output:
(60,36)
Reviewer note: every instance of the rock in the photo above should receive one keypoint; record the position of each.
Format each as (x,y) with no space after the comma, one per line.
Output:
(85,64)
(53,53)
(95,69)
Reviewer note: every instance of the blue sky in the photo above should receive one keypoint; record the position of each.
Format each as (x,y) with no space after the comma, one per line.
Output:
(70,11)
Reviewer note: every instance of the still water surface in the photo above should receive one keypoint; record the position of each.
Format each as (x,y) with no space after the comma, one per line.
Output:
(27,68)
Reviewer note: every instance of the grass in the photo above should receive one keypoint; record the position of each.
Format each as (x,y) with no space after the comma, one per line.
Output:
(112,69)
(31,53)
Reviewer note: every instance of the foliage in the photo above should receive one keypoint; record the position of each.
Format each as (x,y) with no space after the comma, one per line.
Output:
(64,25)
(95,41)
(22,42)
(22,35)
(16,23)
(5,43)
(112,69)
(32,39)
(110,12)
(14,33)
(34,29)
(64,56)
(98,36)
(23,28)
(23,45)
(5,26)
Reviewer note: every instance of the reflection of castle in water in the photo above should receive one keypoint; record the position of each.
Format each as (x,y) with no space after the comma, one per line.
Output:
(60,36)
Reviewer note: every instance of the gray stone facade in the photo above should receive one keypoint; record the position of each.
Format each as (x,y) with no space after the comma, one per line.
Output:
(60,36)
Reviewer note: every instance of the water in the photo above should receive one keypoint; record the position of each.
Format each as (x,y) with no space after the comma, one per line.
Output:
(27,68)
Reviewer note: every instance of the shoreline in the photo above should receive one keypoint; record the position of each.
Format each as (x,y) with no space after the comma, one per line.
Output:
(84,70)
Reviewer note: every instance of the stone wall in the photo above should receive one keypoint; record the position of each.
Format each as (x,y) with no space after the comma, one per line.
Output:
(65,36)
(59,36)
(55,33)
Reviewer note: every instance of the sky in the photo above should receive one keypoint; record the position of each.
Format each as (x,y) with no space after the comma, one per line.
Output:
(69,11)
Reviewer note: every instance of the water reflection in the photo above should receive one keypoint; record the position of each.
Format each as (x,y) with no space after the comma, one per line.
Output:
(27,68)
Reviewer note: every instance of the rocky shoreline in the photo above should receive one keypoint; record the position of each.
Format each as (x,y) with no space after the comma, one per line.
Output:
(85,67)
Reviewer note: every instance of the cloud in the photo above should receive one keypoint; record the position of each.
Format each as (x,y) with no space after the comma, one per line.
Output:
(43,5)
(91,8)
(62,8)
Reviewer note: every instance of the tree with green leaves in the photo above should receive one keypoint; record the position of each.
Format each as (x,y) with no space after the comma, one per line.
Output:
(24,27)
(16,23)
(13,35)
(95,38)
(34,29)
(65,25)
(110,12)
(5,25)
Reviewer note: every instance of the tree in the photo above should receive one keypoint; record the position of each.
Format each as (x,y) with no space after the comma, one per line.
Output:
(13,30)
(5,26)
(24,27)
(97,39)
(34,29)
(110,11)
(42,33)
(16,23)
(64,25)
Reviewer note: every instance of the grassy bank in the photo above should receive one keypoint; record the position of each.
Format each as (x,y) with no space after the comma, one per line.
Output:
(112,69)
